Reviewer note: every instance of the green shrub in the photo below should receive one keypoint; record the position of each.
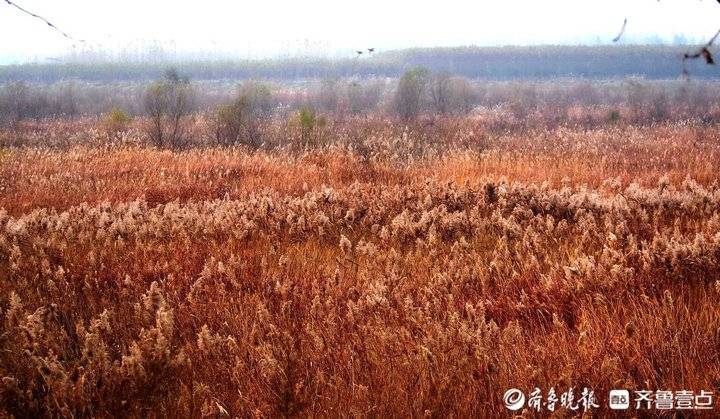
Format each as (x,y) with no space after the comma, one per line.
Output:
(613,116)
(116,122)
(310,124)
(411,92)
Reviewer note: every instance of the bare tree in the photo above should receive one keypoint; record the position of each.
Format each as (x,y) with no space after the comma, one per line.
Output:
(464,95)
(19,101)
(329,95)
(451,94)
(240,121)
(363,96)
(14,103)
(440,86)
(168,102)
(67,100)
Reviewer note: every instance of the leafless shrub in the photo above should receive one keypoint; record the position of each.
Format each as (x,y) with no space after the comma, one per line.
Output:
(168,103)
(451,95)
(239,122)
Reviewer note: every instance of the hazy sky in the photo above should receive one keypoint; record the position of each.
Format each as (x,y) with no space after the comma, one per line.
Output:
(271,27)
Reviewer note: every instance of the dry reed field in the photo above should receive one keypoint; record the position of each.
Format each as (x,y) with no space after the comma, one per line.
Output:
(389,272)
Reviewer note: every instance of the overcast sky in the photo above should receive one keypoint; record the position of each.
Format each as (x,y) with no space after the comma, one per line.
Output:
(269,28)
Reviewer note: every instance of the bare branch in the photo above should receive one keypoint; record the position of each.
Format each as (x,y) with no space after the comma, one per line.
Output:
(47,22)
(703,52)
(622,30)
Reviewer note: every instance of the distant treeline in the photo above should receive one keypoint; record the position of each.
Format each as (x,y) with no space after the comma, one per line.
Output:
(492,63)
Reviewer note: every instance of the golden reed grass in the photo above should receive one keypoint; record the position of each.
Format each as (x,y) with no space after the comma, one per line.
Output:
(212,282)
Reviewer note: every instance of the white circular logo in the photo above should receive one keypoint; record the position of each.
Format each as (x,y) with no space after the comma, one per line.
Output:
(514,399)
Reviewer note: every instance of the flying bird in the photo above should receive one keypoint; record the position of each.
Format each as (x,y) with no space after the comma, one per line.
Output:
(47,22)
(359,52)
(622,31)
(371,50)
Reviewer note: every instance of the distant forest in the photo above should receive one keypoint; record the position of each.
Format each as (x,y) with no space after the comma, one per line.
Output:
(492,63)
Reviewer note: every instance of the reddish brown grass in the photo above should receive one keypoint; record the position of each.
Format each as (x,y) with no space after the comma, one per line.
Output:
(332,282)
